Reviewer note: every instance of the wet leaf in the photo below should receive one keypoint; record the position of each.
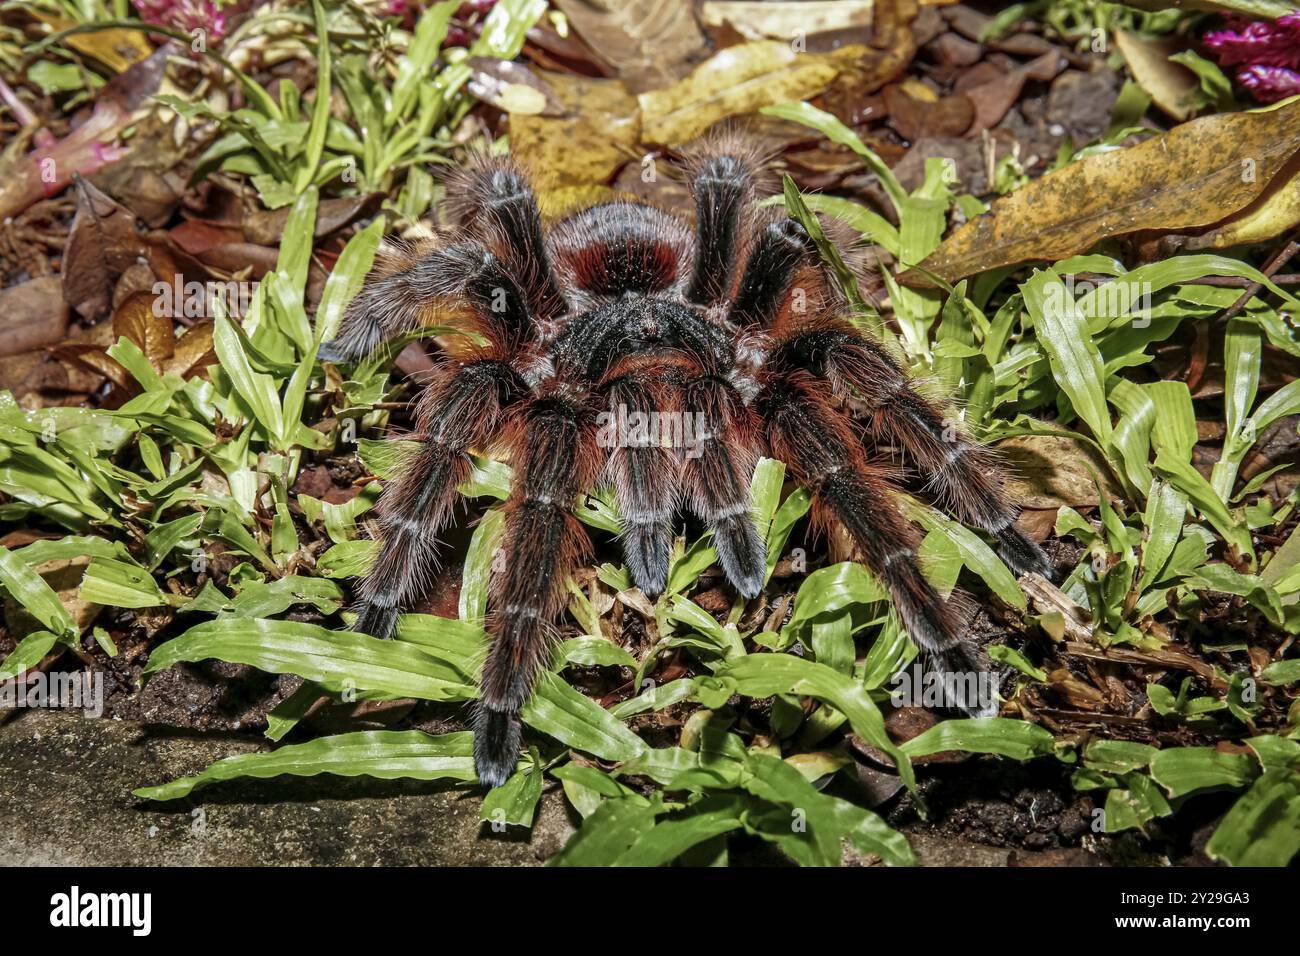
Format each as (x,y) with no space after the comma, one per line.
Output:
(762,675)
(120,584)
(514,802)
(992,735)
(556,709)
(31,650)
(331,658)
(1184,770)
(29,589)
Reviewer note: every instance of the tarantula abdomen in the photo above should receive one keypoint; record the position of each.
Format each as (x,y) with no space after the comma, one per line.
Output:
(732,333)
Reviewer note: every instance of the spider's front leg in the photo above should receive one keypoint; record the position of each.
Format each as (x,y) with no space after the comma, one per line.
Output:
(493,199)
(645,474)
(964,476)
(718,463)
(408,287)
(816,441)
(461,409)
(554,457)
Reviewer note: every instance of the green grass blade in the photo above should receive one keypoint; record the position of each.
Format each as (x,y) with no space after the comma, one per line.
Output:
(577,721)
(30,590)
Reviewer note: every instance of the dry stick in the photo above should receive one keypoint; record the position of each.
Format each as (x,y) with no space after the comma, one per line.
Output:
(1280,258)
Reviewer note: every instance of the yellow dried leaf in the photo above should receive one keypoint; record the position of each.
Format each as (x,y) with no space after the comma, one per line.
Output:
(557,203)
(116,49)
(1197,174)
(741,79)
(1271,215)
(918,90)
(597,135)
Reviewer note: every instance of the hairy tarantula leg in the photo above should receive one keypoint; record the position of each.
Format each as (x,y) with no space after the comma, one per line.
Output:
(645,474)
(963,474)
(554,459)
(724,191)
(460,410)
(392,302)
(718,463)
(781,248)
(494,196)
(817,442)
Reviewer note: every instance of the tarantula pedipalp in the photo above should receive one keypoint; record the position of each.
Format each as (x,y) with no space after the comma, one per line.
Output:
(623,307)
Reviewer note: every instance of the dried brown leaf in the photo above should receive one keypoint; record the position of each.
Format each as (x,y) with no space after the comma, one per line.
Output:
(153,334)
(193,351)
(1048,471)
(32,315)
(650,43)
(104,243)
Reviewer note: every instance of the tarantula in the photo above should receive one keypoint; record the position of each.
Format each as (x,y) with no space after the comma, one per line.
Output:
(623,306)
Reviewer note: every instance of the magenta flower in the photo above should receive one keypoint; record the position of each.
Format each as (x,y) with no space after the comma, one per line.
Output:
(213,17)
(1266,54)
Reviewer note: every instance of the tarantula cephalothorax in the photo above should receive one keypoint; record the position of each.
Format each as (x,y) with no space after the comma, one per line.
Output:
(623,307)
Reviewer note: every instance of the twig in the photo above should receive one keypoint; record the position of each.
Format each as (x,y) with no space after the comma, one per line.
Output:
(1280,258)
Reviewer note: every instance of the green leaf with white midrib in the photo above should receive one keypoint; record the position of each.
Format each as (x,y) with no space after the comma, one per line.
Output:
(332,658)
(1075,361)
(383,754)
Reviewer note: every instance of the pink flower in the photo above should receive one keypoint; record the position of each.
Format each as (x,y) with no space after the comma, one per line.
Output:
(213,17)
(1270,83)
(1266,54)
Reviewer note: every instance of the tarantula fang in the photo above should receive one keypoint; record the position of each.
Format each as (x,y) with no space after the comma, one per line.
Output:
(623,306)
